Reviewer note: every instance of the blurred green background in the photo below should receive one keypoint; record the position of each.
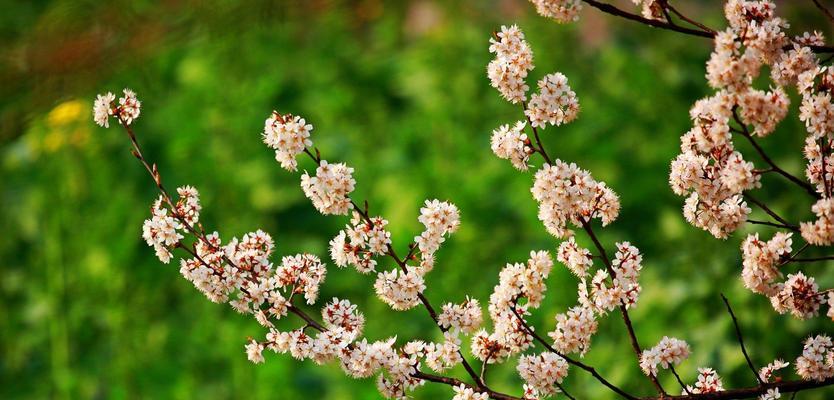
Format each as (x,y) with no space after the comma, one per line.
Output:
(396,89)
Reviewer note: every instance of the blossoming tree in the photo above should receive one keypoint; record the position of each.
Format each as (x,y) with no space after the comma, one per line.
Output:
(714,176)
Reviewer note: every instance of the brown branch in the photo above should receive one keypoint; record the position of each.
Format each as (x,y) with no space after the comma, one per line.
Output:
(539,146)
(752,392)
(612,10)
(770,212)
(741,341)
(824,10)
(768,223)
(680,382)
(813,259)
(703,27)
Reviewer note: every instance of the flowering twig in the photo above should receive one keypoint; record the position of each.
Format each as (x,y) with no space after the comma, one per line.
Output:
(570,360)
(635,344)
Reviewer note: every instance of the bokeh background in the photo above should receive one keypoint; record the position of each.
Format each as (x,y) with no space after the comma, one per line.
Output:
(398,90)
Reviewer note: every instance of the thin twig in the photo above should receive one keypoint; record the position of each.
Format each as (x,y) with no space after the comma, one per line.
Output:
(824,10)
(680,382)
(741,341)
(746,133)
(770,212)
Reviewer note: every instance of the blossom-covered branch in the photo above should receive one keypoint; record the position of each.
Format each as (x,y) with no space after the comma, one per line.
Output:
(713,175)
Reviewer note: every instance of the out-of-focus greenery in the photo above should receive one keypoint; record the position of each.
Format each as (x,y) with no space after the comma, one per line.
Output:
(399,91)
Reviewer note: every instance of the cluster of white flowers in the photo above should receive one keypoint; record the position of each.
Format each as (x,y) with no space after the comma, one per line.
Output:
(288,135)
(574,330)
(761,259)
(668,352)
(766,372)
(466,317)
(515,281)
(566,193)
(341,314)
(821,231)
(578,259)
(442,356)
(513,60)
(359,242)
(400,289)
(511,143)
(799,295)
(439,218)
(708,382)
(543,371)
(817,359)
(304,273)
(128,109)
(555,104)
(651,9)
(330,189)
(463,392)
(624,289)
(563,11)
(488,347)
(710,171)
(162,230)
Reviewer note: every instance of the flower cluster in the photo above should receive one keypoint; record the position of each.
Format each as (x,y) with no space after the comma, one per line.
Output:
(513,60)
(542,372)
(359,242)
(439,218)
(330,189)
(511,143)
(566,193)
(555,104)
(574,330)
(288,135)
(562,11)
(515,281)
(463,392)
(821,231)
(766,372)
(163,230)
(668,352)
(126,111)
(624,289)
(761,260)
(465,317)
(578,259)
(711,172)
(400,289)
(708,382)
(817,359)
(799,295)
(304,273)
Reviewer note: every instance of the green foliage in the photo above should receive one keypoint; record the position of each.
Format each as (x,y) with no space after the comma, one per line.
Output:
(399,92)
